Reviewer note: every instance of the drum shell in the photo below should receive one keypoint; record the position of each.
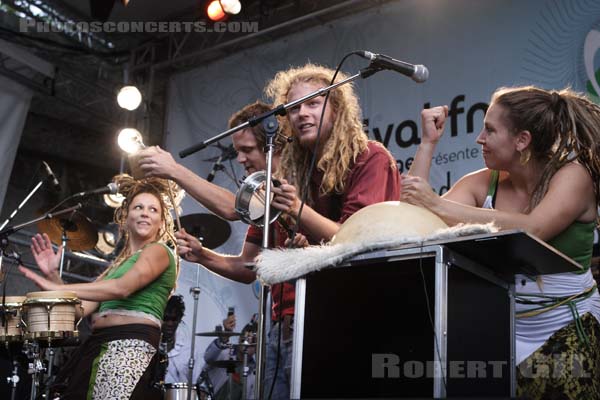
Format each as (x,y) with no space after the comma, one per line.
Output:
(178,391)
(248,204)
(49,315)
(12,330)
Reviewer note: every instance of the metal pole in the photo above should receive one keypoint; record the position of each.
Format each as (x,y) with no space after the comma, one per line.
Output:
(195,291)
(270,126)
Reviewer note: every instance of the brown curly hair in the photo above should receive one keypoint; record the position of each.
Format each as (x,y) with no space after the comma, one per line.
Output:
(253,110)
(564,127)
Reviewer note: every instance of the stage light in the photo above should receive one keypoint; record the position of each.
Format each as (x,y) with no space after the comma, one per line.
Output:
(231,6)
(114,200)
(215,11)
(129,98)
(130,140)
(107,239)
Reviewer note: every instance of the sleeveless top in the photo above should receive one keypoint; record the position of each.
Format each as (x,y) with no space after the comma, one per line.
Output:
(149,301)
(551,302)
(576,241)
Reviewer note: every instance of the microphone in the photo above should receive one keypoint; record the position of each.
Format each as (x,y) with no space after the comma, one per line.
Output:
(50,174)
(111,188)
(418,73)
(216,167)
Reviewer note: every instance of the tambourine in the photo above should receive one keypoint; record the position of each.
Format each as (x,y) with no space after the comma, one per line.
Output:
(250,200)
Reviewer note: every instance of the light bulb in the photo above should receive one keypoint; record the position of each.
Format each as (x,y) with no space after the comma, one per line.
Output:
(215,11)
(114,200)
(130,140)
(129,98)
(231,6)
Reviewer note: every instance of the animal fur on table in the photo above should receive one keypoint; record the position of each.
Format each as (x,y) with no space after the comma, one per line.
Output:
(276,265)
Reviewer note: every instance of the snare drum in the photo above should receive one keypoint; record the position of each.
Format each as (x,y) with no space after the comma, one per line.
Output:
(12,330)
(51,315)
(250,199)
(179,391)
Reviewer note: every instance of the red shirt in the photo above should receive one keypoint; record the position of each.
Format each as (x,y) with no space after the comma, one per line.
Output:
(281,306)
(373,178)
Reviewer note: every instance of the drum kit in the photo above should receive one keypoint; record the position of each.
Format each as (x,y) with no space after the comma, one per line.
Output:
(40,320)
(205,388)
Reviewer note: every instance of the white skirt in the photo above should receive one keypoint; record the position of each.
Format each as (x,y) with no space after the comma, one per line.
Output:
(533,332)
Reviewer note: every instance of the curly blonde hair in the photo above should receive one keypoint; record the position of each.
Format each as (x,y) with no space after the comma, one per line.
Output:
(346,141)
(168,194)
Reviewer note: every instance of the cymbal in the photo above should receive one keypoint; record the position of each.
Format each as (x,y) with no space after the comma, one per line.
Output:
(210,229)
(80,231)
(224,363)
(219,333)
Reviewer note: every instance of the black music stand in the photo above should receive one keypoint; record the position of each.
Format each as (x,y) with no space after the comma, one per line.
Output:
(366,328)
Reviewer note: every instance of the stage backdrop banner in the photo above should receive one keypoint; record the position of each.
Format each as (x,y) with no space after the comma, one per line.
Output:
(14,105)
(471,47)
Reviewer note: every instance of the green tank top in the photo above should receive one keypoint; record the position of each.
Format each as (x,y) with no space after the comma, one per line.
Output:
(151,299)
(576,241)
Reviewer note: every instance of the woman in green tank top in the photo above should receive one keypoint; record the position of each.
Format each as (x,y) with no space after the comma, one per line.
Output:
(126,302)
(541,150)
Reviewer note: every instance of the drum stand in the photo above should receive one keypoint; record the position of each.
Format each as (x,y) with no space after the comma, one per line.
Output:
(14,380)
(36,366)
(245,368)
(205,384)
(50,366)
(195,291)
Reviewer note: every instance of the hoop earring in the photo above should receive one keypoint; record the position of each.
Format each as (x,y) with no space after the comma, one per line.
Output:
(524,157)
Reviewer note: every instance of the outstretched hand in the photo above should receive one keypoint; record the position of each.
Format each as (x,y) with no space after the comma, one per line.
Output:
(45,257)
(188,246)
(40,281)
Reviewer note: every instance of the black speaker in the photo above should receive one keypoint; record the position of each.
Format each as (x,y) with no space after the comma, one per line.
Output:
(368,332)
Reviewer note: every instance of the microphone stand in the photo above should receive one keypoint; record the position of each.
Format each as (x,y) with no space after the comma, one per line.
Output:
(64,239)
(25,200)
(14,213)
(12,229)
(271,127)
(279,110)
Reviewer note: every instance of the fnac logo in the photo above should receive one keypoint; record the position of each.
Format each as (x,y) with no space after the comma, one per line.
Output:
(590,48)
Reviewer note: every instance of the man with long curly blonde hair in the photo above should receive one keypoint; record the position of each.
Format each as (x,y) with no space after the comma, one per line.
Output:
(351,171)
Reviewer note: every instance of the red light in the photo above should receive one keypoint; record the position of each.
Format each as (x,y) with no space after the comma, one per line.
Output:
(215,11)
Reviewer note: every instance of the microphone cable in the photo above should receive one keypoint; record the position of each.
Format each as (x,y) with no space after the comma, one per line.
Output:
(296,227)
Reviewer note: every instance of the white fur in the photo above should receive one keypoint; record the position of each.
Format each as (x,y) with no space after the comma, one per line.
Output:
(277,265)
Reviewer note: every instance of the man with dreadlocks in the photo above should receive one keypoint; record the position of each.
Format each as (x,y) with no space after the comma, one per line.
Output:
(350,172)
(542,153)
(128,299)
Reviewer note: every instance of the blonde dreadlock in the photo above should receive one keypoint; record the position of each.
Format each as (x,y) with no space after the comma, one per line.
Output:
(165,190)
